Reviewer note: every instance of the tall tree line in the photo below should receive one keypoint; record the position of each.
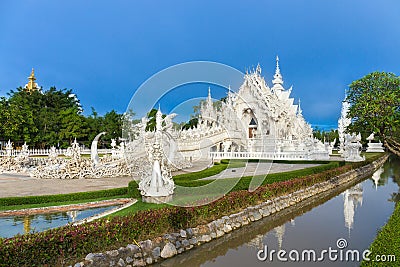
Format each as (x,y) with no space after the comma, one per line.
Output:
(52,118)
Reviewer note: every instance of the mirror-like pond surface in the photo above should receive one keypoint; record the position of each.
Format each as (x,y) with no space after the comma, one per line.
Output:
(354,215)
(10,226)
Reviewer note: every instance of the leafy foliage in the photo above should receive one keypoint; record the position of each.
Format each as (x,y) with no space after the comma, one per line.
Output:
(52,117)
(375,104)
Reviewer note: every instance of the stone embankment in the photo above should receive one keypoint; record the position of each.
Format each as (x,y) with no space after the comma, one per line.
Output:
(166,246)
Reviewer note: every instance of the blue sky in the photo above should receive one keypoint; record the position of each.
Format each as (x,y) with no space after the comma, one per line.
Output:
(104,50)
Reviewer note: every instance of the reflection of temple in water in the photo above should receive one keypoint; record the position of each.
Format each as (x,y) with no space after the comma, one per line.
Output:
(352,197)
(279,233)
(27,224)
(72,214)
(258,243)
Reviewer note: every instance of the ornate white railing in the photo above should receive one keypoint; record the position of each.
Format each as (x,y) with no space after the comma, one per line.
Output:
(260,155)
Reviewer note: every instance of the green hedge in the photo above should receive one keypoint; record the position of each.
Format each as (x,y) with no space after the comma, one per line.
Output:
(10,201)
(133,190)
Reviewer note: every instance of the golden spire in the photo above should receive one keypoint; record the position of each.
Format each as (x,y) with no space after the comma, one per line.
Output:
(31,85)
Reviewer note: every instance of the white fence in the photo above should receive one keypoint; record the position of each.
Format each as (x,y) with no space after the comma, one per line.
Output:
(260,155)
(46,152)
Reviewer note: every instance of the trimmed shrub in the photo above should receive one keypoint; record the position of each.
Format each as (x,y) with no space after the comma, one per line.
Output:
(133,190)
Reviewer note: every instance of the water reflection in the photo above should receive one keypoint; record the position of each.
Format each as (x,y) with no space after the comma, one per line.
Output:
(13,225)
(352,198)
(316,224)
(377,176)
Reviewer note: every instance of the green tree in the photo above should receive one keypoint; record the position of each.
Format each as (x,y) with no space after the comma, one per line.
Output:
(112,125)
(375,104)
(95,124)
(73,125)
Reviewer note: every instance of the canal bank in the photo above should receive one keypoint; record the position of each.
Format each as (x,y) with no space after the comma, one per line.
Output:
(169,245)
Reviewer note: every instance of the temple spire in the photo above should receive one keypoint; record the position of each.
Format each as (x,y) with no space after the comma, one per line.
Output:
(258,69)
(277,81)
(209,99)
(31,85)
(299,111)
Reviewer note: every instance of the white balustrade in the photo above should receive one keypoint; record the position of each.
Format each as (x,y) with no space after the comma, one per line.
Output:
(260,155)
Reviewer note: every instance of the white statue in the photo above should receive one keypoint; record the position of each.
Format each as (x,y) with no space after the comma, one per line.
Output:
(113,143)
(374,146)
(158,185)
(371,137)
(53,153)
(9,148)
(352,148)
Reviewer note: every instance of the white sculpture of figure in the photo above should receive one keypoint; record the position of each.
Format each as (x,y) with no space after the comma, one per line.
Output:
(9,148)
(371,137)
(352,148)
(53,153)
(113,143)
(168,121)
(158,186)
(74,151)
(25,151)
(372,146)
(114,153)
(121,150)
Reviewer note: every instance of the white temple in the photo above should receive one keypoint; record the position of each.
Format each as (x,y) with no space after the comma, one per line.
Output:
(257,121)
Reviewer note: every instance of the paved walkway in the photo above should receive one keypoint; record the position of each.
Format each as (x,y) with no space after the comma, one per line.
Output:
(16,185)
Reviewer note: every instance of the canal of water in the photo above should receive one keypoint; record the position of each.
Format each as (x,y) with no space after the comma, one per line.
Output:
(13,225)
(352,216)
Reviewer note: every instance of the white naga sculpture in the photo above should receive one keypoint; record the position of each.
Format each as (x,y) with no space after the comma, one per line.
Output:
(372,146)
(157,186)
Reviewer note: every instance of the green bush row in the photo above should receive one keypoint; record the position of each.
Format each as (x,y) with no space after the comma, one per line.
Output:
(10,201)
